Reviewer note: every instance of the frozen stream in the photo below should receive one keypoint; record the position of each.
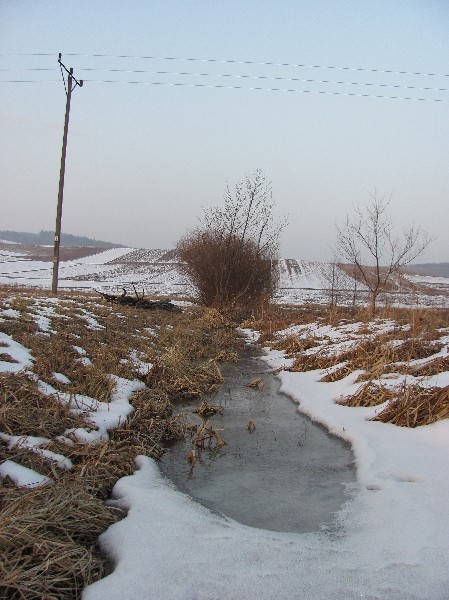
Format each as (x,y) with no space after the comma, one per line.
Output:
(288,475)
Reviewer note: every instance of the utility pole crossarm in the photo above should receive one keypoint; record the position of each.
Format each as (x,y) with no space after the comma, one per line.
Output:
(57,241)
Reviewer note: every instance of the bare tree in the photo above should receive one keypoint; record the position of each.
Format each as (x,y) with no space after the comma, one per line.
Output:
(369,243)
(335,278)
(230,258)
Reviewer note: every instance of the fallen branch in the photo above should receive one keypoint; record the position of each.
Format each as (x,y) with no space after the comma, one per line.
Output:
(140,301)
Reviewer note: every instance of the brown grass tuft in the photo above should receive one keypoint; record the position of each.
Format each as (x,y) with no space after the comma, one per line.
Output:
(414,406)
(437,365)
(47,536)
(25,411)
(369,394)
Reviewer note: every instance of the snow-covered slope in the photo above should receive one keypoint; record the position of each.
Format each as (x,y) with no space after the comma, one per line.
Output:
(308,274)
(156,271)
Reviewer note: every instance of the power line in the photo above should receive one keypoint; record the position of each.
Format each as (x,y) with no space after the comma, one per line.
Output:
(243,76)
(241,87)
(239,62)
(234,87)
(27,69)
(265,77)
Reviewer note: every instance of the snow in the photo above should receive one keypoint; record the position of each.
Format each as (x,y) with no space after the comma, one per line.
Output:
(102,415)
(157,272)
(17,352)
(393,540)
(428,279)
(101,258)
(22,476)
(61,378)
(34,444)
(142,367)
(91,321)
(10,313)
(85,361)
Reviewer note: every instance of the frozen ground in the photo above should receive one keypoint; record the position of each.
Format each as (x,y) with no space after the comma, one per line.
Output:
(393,542)
(156,272)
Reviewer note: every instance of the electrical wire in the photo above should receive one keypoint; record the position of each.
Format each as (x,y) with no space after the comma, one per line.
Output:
(229,76)
(239,87)
(241,76)
(238,62)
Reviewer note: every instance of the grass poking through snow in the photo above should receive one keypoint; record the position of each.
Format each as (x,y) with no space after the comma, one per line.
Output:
(80,346)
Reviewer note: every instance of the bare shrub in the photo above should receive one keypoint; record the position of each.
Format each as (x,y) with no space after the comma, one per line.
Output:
(230,258)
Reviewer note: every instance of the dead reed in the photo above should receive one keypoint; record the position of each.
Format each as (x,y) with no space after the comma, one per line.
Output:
(413,406)
(25,411)
(369,394)
(205,410)
(48,535)
(174,373)
(292,345)
(432,367)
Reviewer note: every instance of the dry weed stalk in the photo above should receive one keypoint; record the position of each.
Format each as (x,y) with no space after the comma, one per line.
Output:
(414,406)
(208,437)
(256,384)
(251,426)
(48,535)
(293,345)
(433,367)
(369,394)
(181,378)
(336,374)
(206,410)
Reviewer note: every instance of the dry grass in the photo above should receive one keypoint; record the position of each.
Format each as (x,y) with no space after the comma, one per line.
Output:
(25,411)
(336,374)
(49,534)
(414,406)
(369,394)
(181,379)
(375,356)
(432,367)
(415,336)
(206,410)
(292,345)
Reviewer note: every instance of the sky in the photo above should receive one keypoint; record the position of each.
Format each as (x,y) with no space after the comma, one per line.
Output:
(144,160)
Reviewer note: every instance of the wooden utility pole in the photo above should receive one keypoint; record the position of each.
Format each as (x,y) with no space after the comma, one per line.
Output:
(71,85)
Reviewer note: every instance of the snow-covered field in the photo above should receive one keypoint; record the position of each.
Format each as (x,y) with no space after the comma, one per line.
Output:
(156,272)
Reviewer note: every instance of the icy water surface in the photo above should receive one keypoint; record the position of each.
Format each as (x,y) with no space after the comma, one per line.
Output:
(288,475)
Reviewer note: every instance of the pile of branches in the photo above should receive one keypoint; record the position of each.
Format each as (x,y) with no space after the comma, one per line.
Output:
(139,301)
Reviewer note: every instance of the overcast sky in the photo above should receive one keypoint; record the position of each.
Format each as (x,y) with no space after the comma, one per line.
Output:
(143,159)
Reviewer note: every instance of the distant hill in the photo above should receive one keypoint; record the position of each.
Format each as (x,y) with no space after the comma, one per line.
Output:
(433,269)
(47,238)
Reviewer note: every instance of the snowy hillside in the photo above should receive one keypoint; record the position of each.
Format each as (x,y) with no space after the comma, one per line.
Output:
(156,271)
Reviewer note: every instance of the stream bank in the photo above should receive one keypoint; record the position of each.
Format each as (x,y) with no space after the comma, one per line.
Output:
(289,474)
